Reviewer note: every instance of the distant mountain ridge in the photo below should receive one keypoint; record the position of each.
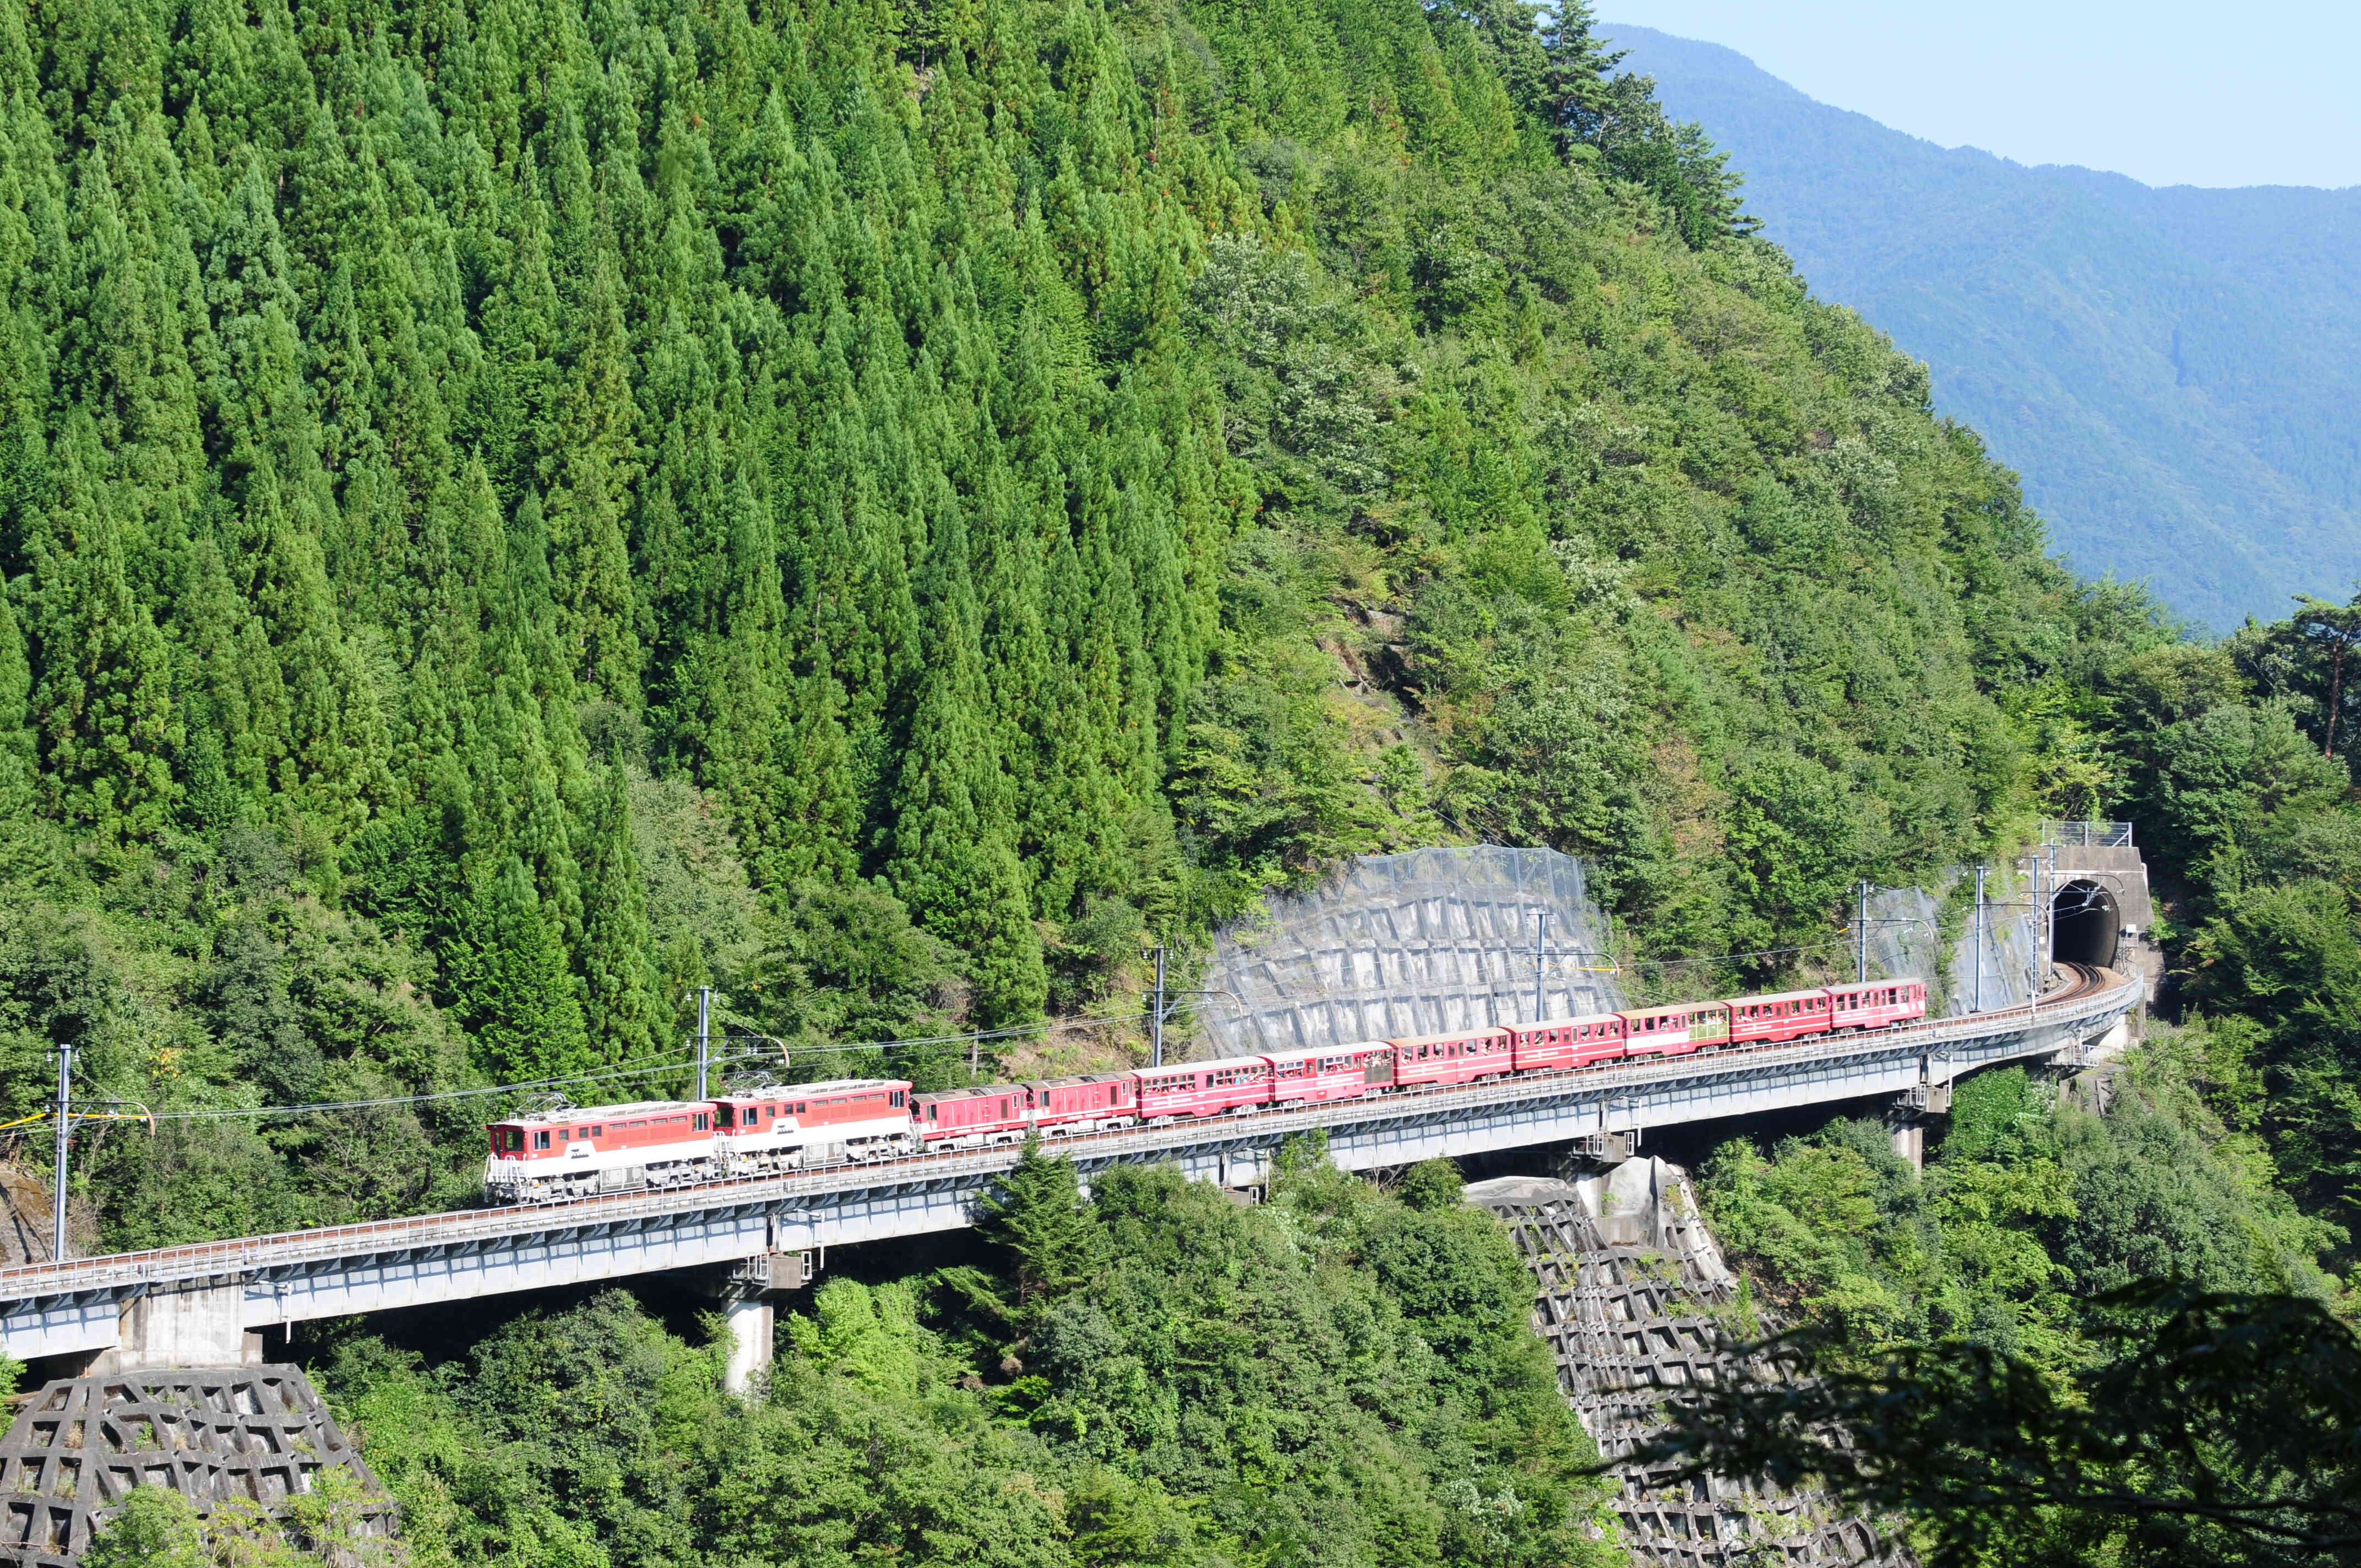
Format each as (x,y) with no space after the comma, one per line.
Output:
(2175,372)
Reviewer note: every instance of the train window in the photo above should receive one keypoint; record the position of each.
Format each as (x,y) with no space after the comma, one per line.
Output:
(701,1122)
(898,1096)
(597,1131)
(541,1140)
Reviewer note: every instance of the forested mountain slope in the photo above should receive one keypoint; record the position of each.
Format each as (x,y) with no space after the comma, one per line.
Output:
(2172,370)
(510,512)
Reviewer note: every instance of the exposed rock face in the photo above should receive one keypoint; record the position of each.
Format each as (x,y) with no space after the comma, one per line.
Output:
(259,1434)
(25,1219)
(1631,1296)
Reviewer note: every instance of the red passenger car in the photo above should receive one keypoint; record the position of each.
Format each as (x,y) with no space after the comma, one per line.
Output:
(1561,1045)
(1331,1072)
(1462,1057)
(1065,1106)
(1782,1015)
(1879,1005)
(1677,1031)
(1203,1088)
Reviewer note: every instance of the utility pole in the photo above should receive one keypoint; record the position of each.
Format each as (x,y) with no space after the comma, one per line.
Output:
(1978,1004)
(65,1113)
(2049,912)
(1860,939)
(2033,940)
(1541,933)
(1156,1019)
(704,1035)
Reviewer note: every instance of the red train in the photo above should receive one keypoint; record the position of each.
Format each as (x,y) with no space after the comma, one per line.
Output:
(613,1148)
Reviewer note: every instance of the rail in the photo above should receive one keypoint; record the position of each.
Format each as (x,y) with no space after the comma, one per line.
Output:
(2089,996)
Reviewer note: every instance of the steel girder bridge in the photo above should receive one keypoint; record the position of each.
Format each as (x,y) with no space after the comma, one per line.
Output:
(210,1304)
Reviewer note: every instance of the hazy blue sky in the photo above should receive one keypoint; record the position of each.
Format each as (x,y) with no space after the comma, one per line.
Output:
(2166,91)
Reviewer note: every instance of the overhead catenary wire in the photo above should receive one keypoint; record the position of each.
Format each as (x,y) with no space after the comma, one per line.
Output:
(675,1062)
(389,1102)
(682,1060)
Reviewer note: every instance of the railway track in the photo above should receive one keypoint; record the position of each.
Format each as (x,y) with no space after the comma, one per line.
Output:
(2083,985)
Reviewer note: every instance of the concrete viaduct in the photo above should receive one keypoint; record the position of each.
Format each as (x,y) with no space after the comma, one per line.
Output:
(210,1305)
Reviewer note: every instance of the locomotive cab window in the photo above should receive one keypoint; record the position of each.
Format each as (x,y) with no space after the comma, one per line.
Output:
(701,1119)
(541,1140)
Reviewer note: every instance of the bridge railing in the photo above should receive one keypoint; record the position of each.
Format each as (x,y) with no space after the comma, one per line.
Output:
(2088,835)
(461,1227)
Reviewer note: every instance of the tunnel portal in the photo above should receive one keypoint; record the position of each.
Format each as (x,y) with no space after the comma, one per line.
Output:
(2085,922)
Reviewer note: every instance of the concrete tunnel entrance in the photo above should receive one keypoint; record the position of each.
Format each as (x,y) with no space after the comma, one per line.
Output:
(2085,924)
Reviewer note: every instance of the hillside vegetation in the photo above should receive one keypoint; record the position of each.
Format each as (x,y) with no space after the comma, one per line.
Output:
(1153,1378)
(512,511)
(2172,370)
(2040,1232)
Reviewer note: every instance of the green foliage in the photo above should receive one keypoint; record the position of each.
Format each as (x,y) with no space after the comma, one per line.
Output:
(844,962)
(617,943)
(157,1528)
(1036,1213)
(1988,1344)
(2219,1430)
(885,515)
(2026,1211)
(511,986)
(1333,1378)
(2247,820)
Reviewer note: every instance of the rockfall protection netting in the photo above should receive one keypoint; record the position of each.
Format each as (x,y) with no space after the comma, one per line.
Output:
(1905,936)
(1410,944)
(1438,939)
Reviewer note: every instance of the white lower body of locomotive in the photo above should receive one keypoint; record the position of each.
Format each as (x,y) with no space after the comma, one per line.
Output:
(586,1172)
(771,1153)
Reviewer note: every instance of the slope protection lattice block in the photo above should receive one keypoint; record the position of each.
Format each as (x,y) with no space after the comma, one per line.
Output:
(1631,1327)
(257,1433)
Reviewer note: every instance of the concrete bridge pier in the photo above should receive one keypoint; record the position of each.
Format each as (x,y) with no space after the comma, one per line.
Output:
(744,1292)
(186,1323)
(754,1328)
(1913,1109)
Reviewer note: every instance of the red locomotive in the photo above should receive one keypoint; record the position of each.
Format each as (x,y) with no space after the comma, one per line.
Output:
(552,1154)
